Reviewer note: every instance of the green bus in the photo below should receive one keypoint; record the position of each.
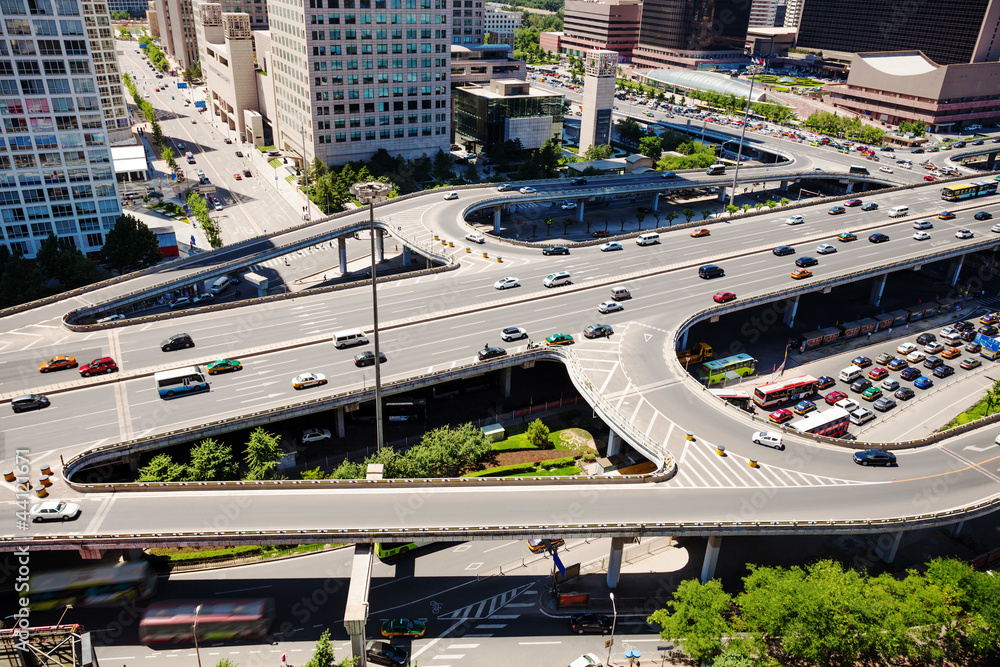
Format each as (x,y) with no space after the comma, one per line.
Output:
(728,368)
(386,550)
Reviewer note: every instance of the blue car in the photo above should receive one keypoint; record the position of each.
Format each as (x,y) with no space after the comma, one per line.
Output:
(825,381)
(923,382)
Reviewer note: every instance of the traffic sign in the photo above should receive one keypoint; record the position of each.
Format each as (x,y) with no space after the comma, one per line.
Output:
(988,342)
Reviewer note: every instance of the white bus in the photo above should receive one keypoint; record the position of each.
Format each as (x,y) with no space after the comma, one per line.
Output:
(180,381)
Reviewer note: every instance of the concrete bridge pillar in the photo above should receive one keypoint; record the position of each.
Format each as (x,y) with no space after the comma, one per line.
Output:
(791,308)
(684,340)
(956,529)
(614,443)
(496,219)
(379,246)
(507,372)
(850,187)
(887,545)
(990,160)
(407,255)
(711,558)
(784,186)
(954,269)
(615,561)
(342,254)
(722,193)
(656,202)
(875,298)
(340,422)
(579,210)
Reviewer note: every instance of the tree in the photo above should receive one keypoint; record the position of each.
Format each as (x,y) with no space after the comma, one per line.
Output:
(262,454)
(629,131)
(130,246)
(538,435)
(441,167)
(211,461)
(651,148)
(58,259)
(448,452)
(697,619)
(730,209)
(162,468)
(784,202)
(548,226)
(599,152)
(705,213)
(688,214)
(745,208)
(470,174)
(770,203)
(323,655)
(670,216)
(317,170)
(566,222)
(639,217)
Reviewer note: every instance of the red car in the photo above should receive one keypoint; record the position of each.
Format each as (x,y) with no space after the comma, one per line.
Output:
(780,416)
(722,297)
(928,177)
(834,396)
(852,202)
(102,365)
(877,373)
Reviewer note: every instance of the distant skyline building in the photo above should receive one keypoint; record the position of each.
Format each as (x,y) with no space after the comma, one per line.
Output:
(175,21)
(764,13)
(692,35)
(599,78)
(466,22)
(499,25)
(947,32)
(601,24)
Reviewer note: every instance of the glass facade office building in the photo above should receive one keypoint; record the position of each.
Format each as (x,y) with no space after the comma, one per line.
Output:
(694,25)
(487,118)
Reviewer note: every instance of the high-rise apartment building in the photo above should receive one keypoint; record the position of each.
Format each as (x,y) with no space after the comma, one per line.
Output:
(764,13)
(352,76)
(601,24)
(226,47)
(692,35)
(947,32)
(467,22)
(101,37)
(175,20)
(56,174)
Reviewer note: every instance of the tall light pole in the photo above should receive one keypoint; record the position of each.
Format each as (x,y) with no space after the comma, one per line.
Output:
(753,70)
(372,193)
(305,169)
(614,622)
(68,607)
(194,630)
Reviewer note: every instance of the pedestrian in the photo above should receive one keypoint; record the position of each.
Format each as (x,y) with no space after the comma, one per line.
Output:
(324,277)
(890,331)
(869,335)
(907,325)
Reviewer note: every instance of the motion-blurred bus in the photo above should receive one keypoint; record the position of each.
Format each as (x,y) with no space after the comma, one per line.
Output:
(173,622)
(100,585)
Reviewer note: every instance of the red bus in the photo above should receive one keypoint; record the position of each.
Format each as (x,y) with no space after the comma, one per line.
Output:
(784,391)
(832,423)
(218,620)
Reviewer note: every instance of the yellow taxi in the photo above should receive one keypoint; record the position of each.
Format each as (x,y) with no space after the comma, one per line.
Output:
(700,231)
(57,364)
(950,352)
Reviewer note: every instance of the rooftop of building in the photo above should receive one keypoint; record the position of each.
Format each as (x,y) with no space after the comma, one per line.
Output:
(472,48)
(498,86)
(759,30)
(900,63)
(694,80)
(608,2)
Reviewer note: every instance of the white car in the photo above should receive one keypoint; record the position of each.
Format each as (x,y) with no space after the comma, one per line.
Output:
(308,380)
(995,228)
(610,307)
(825,249)
(475,238)
(906,348)
(795,220)
(315,435)
(890,155)
(933,347)
(451,195)
(916,356)
(54,510)
(116,317)
(528,190)
(923,224)
(513,333)
(767,438)
(217,205)
(504,283)
(887,170)
(921,236)
(568,206)
(611,245)
(963,234)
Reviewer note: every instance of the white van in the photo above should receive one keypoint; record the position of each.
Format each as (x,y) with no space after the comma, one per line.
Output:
(862,416)
(556,279)
(851,373)
(649,238)
(620,293)
(219,285)
(350,337)
(899,211)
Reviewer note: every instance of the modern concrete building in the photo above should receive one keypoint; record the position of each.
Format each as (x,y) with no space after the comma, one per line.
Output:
(499,25)
(482,63)
(767,13)
(467,22)
(947,32)
(769,41)
(507,109)
(600,69)
(104,56)
(175,20)
(907,85)
(551,42)
(692,35)
(152,19)
(56,174)
(226,44)
(601,24)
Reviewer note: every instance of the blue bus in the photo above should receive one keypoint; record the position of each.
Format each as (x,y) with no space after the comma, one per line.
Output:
(180,381)
(961,191)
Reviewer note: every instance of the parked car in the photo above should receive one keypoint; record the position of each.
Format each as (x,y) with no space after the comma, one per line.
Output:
(311,435)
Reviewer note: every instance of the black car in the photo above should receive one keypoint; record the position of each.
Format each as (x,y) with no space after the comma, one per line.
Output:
(382,652)
(943,371)
(924,339)
(932,362)
(878,238)
(969,336)
(875,457)
(595,623)
(177,342)
(983,215)
(989,330)
(917,150)
(909,373)
(977,142)
(904,393)
(578,181)
(806,261)
(491,353)
(555,250)
(368,358)
(783,250)
(859,386)
(598,331)
(869,206)
(963,325)
(959,144)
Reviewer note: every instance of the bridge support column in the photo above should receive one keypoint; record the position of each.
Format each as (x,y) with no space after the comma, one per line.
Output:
(496,219)
(990,160)
(507,372)
(791,308)
(956,529)
(356,609)
(887,545)
(340,422)
(954,269)
(407,255)
(615,561)
(342,254)
(656,202)
(614,443)
(579,210)
(784,186)
(850,187)
(379,246)
(684,340)
(875,298)
(722,193)
(711,558)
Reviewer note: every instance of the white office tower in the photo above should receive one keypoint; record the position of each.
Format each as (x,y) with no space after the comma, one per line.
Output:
(56,173)
(598,98)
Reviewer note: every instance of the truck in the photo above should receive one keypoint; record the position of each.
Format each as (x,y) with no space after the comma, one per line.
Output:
(698,353)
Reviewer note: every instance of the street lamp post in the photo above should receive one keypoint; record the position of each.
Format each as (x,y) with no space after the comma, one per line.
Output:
(753,70)
(614,622)
(372,193)
(68,607)
(194,631)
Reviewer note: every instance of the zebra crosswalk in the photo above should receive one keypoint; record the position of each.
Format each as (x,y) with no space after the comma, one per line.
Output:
(488,608)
